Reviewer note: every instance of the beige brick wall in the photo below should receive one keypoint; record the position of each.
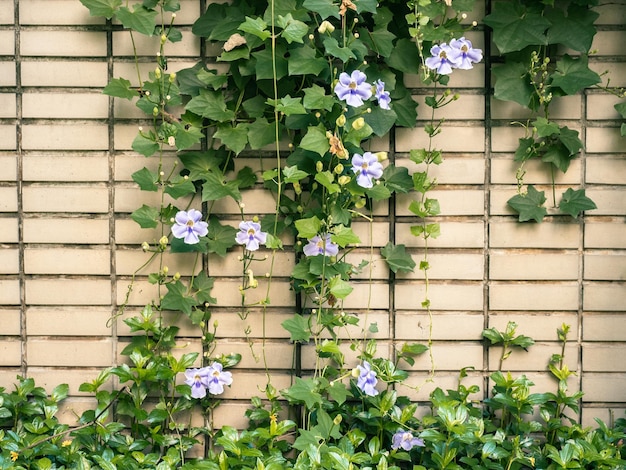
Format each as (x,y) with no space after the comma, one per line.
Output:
(68,247)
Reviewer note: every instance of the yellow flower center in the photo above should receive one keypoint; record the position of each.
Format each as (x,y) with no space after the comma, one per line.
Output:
(443,55)
(364,165)
(464,48)
(189,223)
(251,231)
(352,85)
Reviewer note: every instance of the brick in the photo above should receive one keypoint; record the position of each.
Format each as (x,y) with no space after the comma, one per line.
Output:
(465,297)
(533,296)
(9,261)
(65,105)
(7,74)
(609,201)
(504,169)
(367,296)
(56,12)
(604,327)
(9,292)
(231,414)
(128,261)
(533,266)
(127,231)
(605,170)
(10,352)
(469,107)
(540,326)
(75,353)
(604,387)
(451,139)
(452,201)
(126,165)
(7,105)
(67,321)
(67,261)
(604,140)
(601,106)
(256,202)
(548,234)
(411,326)
(10,322)
(68,291)
(451,357)
(498,198)
(65,136)
(7,137)
(129,199)
(463,266)
(231,266)
(189,46)
(53,73)
(612,69)
(535,359)
(466,79)
(505,138)
(76,168)
(66,230)
(37,43)
(420,385)
(455,170)
(600,357)
(8,199)
(606,297)
(374,234)
(247,385)
(605,267)
(279,354)
(606,415)
(468,234)
(564,107)
(8,234)
(50,377)
(8,168)
(74,198)
(7,15)
(612,14)
(605,235)
(72,408)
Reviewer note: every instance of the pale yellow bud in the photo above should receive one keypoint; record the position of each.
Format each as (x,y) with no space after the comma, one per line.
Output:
(343,180)
(319,166)
(358,124)
(338,169)
(326,27)
(382,156)
(163,241)
(341,121)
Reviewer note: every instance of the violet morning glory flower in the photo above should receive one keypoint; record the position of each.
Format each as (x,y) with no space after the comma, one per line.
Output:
(367,379)
(381,95)
(443,59)
(217,378)
(366,167)
(405,440)
(189,226)
(250,235)
(353,88)
(466,55)
(198,380)
(321,246)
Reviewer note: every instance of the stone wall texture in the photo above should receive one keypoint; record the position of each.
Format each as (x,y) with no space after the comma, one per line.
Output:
(68,247)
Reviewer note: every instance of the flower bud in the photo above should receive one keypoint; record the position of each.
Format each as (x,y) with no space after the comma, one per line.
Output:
(337,420)
(311,37)
(297,188)
(176,276)
(155,111)
(171,141)
(338,169)
(319,166)
(382,156)
(163,38)
(360,203)
(326,27)
(163,241)
(145,246)
(255,219)
(355,372)
(343,180)
(358,124)
(165,270)
(157,73)
(341,120)
(172,77)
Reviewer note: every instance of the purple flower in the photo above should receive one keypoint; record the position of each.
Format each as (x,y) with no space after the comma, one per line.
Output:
(189,226)
(217,378)
(405,440)
(465,54)
(250,235)
(367,379)
(381,95)
(321,246)
(352,88)
(198,380)
(366,167)
(443,59)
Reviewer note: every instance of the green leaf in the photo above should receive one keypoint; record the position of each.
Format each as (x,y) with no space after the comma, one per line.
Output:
(264,67)
(288,105)
(529,206)
(293,30)
(144,145)
(140,19)
(574,202)
(557,155)
(234,138)
(177,298)
(216,188)
(569,138)
(220,237)
(180,186)
(344,236)
(573,74)
(308,228)
(398,179)
(576,30)
(246,178)
(316,141)
(339,288)
(200,162)
(304,61)
(210,105)
(381,120)
(256,27)
(324,8)
(338,392)
(405,57)
(380,40)
(261,133)
(203,284)
(106,8)
(405,108)
(146,216)
(545,128)
(291,174)
(146,179)
(326,178)
(513,84)
(333,49)
(315,97)
(397,258)
(219,22)
(303,390)
(621,109)
(120,88)
(187,136)
(514,27)
(298,328)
